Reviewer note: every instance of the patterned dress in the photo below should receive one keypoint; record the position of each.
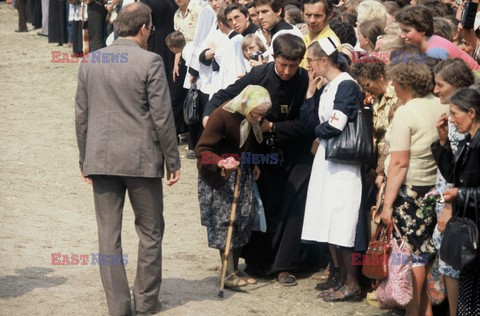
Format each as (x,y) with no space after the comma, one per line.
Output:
(442,185)
(414,215)
(215,208)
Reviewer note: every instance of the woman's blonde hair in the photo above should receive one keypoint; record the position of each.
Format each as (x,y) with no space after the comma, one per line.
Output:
(372,10)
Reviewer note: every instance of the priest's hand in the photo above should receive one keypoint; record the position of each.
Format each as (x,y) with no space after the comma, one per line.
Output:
(315,145)
(266,126)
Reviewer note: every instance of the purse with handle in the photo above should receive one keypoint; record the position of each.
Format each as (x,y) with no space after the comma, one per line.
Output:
(397,289)
(191,106)
(460,240)
(375,261)
(355,144)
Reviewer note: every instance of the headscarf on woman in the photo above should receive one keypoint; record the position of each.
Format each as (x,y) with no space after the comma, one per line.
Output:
(250,98)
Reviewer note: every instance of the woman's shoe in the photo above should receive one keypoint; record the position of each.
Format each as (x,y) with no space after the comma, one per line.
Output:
(332,281)
(233,281)
(328,291)
(343,294)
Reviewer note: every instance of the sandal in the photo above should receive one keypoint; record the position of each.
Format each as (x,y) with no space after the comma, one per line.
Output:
(286,279)
(332,281)
(328,291)
(246,277)
(233,280)
(343,294)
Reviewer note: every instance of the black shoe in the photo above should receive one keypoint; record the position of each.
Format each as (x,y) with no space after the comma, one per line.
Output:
(41,34)
(21,31)
(191,154)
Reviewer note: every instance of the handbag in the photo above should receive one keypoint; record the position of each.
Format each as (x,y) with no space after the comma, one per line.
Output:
(191,106)
(355,144)
(397,289)
(260,224)
(375,260)
(460,239)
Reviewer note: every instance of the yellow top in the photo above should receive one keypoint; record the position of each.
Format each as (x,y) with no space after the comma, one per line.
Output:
(326,32)
(414,129)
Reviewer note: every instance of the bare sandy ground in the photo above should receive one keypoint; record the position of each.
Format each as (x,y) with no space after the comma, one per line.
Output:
(45,209)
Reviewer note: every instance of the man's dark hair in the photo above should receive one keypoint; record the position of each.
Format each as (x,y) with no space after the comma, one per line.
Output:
(289,46)
(131,18)
(222,17)
(276,5)
(236,6)
(249,5)
(345,32)
(296,16)
(419,17)
(327,5)
(175,40)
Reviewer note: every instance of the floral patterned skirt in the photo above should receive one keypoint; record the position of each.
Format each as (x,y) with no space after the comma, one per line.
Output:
(216,205)
(414,214)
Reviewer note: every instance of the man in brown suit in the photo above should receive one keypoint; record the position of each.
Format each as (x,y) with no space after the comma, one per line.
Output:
(125,131)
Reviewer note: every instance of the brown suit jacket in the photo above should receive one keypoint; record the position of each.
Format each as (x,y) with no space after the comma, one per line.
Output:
(123,116)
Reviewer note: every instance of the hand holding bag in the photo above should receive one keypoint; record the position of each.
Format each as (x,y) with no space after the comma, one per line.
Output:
(375,261)
(397,289)
(460,239)
(191,106)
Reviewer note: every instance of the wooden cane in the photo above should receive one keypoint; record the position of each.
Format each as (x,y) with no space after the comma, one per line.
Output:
(229,233)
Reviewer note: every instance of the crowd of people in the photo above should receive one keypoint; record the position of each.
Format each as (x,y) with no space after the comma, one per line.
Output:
(279,79)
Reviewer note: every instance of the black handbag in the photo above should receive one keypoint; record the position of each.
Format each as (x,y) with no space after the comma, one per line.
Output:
(355,144)
(191,106)
(460,239)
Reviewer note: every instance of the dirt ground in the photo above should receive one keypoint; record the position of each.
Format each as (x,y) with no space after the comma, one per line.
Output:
(45,208)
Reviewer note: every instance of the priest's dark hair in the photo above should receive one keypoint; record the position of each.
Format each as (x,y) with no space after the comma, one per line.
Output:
(236,6)
(131,19)
(276,5)
(289,46)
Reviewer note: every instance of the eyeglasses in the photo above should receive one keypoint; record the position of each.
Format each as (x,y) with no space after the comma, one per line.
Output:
(311,60)
(151,28)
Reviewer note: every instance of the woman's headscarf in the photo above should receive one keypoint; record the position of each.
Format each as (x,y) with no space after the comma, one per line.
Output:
(250,98)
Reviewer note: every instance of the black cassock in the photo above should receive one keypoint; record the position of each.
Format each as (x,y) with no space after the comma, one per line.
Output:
(283,187)
(162,18)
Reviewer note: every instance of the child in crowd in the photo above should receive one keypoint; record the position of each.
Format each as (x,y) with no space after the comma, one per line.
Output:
(253,48)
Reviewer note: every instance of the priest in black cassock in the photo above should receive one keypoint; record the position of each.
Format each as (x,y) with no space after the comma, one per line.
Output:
(283,186)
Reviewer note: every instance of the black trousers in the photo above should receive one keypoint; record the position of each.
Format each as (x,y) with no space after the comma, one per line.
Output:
(195,130)
(22,15)
(96,25)
(178,97)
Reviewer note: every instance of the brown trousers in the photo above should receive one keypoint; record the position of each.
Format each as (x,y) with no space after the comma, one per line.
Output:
(146,197)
